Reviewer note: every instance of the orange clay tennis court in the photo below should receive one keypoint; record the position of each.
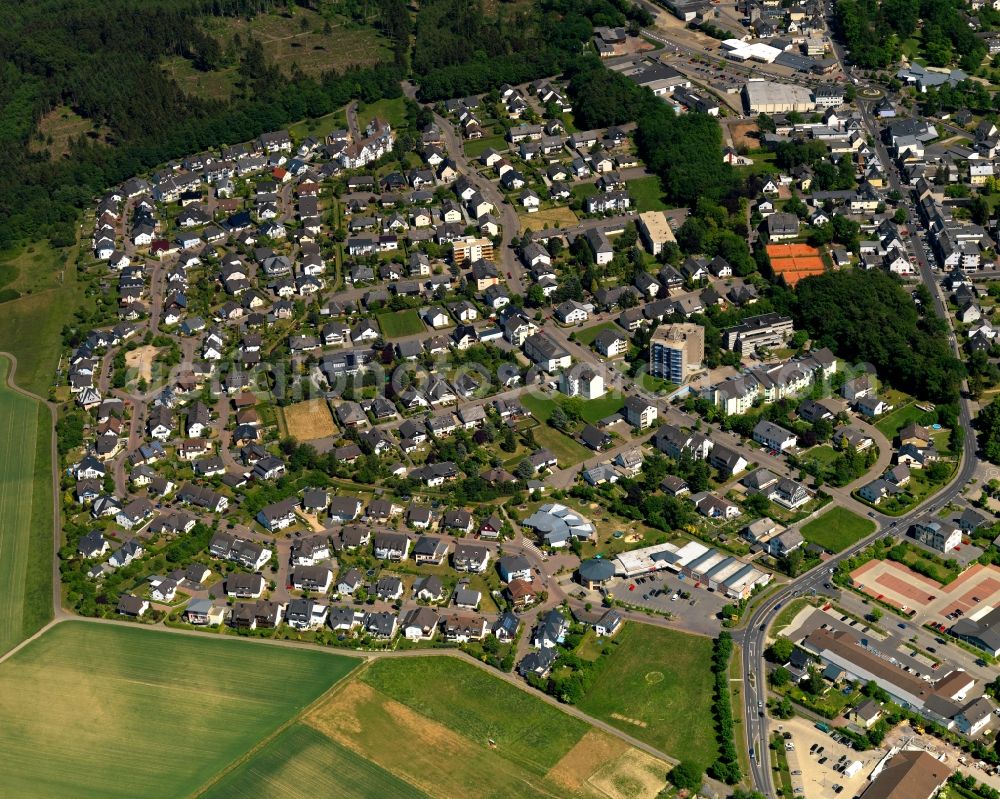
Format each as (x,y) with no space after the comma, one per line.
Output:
(795,261)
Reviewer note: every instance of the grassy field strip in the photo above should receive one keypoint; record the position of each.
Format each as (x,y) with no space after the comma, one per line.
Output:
(739,711)
(151,699)
(18,448)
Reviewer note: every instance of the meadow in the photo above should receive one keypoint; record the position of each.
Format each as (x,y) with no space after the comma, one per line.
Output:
(396,324)
(59,127)
(837,529)
(656,685)
(25,514)
(133,712)
(568,451)
(303,39)
(647,194)
(590,410)
(46,280)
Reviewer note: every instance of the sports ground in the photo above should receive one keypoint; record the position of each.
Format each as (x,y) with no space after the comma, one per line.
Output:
(795,261)
(976,590)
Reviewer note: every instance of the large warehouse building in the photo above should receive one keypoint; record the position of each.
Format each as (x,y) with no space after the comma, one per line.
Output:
(770,97)
(711,568)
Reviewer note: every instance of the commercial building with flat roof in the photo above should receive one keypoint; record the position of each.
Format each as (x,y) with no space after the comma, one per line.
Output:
(728,575)
(844,650)
(770,97)
(981,630)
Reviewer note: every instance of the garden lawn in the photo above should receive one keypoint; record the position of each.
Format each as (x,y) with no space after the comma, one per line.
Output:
(591,410)
(893,422)
(301,762)
(823,454)
(837,529)
(396,324)
(105,711)
(647,194)
(584,190)
(25,514)
(476,147)
(763,164)
(586,336)
(656,685)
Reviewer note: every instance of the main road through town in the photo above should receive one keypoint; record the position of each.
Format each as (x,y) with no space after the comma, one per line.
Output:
(754,635)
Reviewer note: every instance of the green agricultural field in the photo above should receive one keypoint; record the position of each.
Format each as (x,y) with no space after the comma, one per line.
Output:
(837,529)
(301,762)
(656,685)
(893,422)
(647,194)
(467,700)
(177,709)
(25,514)
(447,728)
(396,324)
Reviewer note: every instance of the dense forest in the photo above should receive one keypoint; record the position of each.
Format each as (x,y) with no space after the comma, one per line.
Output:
(867,316)
(458,50)
(874,30)
(103,61)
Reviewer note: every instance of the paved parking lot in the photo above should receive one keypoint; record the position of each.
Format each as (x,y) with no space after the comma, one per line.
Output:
(665,585)
(817,777)
(698,613)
